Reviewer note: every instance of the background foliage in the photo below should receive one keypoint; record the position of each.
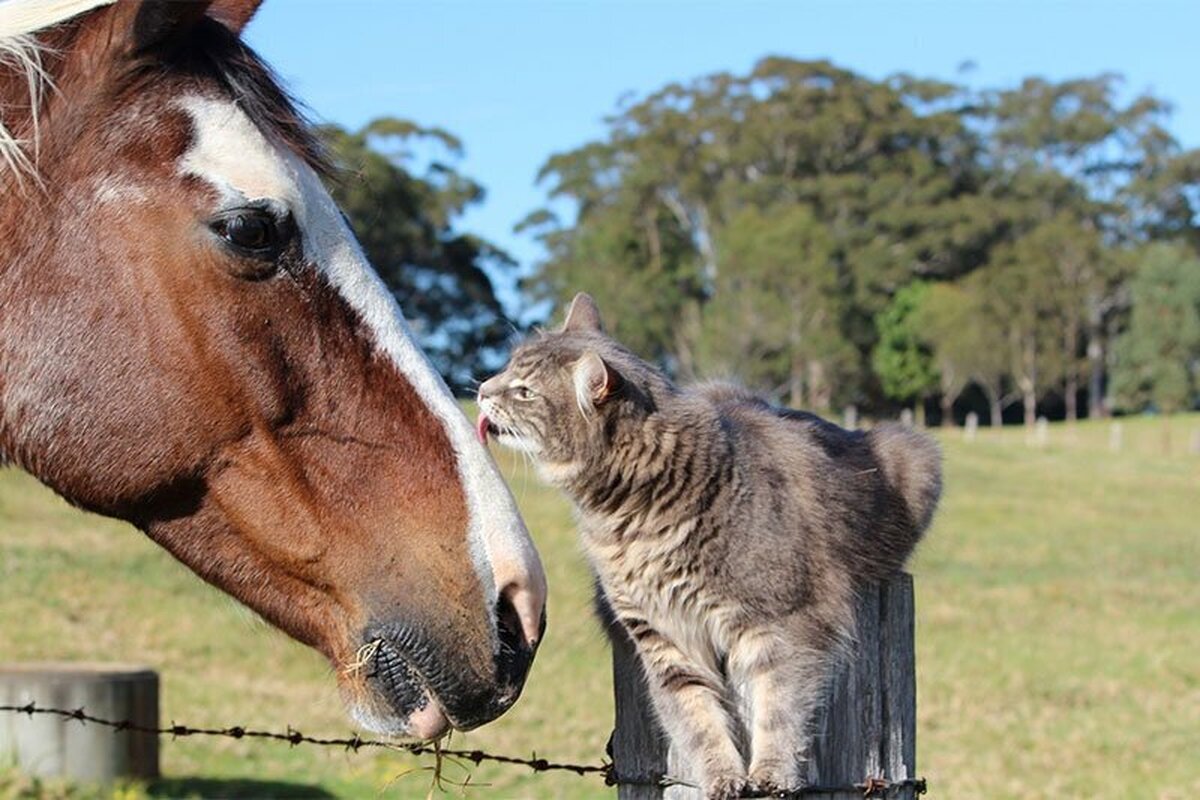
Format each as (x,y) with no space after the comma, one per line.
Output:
(831,239)
(405,221)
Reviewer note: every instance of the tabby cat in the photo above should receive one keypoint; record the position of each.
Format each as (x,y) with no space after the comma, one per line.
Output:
(727,535)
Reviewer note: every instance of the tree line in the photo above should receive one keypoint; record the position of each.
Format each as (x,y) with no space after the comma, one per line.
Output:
(832,239)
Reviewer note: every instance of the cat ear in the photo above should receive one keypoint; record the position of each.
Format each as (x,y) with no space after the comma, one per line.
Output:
(595,381)
(584,315)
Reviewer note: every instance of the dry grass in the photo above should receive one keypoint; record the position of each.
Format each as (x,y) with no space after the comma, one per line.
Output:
(1058,624)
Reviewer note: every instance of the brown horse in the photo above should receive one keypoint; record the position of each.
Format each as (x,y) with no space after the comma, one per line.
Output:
(191,340)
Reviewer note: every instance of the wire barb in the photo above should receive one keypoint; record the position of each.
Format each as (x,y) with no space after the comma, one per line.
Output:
(872,787)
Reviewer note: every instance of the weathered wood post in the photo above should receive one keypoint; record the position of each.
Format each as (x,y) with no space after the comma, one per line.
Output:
(867,730)
(51,746)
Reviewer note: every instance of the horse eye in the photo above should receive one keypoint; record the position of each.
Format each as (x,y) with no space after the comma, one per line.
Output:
(252,231)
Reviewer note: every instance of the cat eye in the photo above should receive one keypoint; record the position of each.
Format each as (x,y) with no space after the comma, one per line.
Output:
(525,393)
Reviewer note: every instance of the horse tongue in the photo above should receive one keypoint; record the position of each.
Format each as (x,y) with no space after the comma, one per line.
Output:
(481,427)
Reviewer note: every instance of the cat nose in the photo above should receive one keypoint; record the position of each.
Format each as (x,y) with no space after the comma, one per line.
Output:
(489,387)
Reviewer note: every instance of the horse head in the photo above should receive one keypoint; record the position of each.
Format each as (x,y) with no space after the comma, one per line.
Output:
(192,340)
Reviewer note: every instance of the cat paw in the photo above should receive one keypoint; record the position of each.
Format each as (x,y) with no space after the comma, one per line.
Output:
(725,786)
(775,779)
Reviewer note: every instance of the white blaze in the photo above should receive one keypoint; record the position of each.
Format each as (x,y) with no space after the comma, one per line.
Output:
(235,157)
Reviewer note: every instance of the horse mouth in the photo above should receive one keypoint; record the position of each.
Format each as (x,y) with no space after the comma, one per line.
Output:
(426,698)
(406,692)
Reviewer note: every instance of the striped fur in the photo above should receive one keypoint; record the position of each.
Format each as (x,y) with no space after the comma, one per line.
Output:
(727,536)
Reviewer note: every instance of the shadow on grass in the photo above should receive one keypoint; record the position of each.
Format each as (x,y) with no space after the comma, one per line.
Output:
(233,788)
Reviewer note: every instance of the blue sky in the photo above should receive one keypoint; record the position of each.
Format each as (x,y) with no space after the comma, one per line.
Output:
(518,81)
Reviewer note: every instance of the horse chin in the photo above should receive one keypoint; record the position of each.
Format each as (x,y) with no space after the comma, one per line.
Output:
(414,714)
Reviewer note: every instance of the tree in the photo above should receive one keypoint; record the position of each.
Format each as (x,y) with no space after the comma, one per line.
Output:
(948,320)
(1159,356)
(775,322)
(902,358)
(1070,150)
(1018,306)
(769,223)
(406,225)
(883,169)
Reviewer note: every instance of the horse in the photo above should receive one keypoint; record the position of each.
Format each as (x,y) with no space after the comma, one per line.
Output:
(192,340)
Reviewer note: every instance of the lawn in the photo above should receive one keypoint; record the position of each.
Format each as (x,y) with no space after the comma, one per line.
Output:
(1058,602)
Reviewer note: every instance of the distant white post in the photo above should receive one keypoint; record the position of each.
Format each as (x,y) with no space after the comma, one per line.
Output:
(1115,435)
(971,427)
(50,746)
(1041,432)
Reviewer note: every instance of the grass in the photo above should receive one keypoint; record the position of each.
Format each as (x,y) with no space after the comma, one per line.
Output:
(1058,602)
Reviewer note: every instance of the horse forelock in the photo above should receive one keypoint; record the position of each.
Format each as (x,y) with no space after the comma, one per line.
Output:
(21,53)
(211,53)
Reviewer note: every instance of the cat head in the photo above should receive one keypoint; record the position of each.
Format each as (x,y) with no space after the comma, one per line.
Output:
(562,392)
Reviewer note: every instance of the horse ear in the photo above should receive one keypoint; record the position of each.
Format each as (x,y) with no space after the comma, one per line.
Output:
(150,23)
(584,315)
(140,26)
(234,14)
(595,380)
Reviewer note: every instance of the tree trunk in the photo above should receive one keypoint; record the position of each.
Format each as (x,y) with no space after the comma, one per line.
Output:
(947,403)
(685,335)
(818,389)
(995,407)
(1095,355)
(919,412)
(796,383)
(1071,389)
(653,239)
(1028,380)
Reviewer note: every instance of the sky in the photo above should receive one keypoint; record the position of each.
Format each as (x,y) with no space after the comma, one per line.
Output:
(519,81)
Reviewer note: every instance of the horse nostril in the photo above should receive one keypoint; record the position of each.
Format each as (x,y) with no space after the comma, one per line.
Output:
(520,614)
(508,624)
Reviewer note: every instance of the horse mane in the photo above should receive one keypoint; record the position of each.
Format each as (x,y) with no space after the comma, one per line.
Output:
(218,54)
(20,51)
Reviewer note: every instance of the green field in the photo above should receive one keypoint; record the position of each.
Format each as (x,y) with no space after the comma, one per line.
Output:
(1058,602)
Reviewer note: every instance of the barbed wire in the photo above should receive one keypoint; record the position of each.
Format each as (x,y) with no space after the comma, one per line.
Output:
(869,788)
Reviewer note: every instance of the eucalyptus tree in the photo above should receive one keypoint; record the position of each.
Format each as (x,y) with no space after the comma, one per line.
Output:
(1158,358)
(867,183)
(1083,176)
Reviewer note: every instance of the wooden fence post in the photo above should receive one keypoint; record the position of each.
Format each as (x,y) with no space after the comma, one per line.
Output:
(55,747)
(867,729)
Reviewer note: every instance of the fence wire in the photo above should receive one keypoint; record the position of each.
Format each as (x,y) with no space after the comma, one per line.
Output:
(869,787)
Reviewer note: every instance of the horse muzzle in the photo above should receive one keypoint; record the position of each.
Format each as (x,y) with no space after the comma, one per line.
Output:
(424,688)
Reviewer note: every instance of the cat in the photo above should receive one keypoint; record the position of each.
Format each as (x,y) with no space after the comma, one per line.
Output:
(727,535)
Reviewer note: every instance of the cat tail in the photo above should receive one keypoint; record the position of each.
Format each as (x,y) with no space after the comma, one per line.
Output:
(911,462)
